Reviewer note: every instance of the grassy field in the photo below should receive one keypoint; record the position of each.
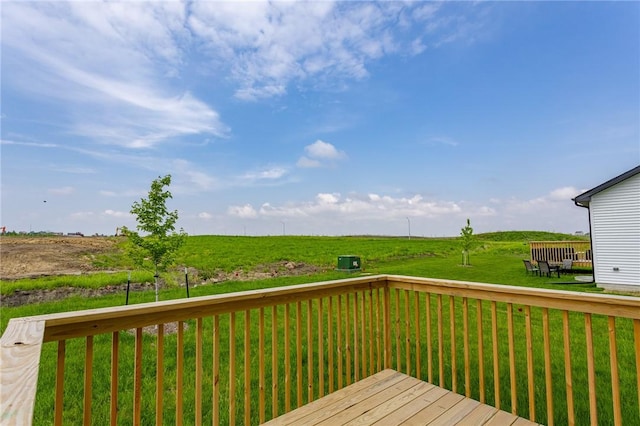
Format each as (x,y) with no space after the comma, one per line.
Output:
(495,258)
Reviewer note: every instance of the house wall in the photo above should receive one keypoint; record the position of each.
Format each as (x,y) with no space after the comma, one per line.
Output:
(615,227)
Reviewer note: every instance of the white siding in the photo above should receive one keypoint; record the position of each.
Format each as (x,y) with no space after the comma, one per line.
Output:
(615,227)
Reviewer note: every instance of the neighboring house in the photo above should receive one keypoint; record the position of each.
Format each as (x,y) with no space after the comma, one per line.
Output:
(614,221)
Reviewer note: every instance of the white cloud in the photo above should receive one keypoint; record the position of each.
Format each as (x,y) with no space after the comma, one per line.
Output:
(320,154)
(268,174)
(565,193)
(115,213)
(120,58)
(328,198)
(269,45)
(247,211)
(205,215)
(371,207)
(323,150)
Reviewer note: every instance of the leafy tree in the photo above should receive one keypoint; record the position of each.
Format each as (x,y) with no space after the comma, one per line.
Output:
(467,239)
(159,241)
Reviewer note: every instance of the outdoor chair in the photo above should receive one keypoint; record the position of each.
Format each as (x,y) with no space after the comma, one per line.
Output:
(567,265)
(547,269)
(530,268)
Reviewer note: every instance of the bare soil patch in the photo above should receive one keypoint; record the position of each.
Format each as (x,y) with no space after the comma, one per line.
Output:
(31,257)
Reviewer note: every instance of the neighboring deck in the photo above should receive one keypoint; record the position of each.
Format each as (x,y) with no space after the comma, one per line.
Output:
(392,398)
(555,252)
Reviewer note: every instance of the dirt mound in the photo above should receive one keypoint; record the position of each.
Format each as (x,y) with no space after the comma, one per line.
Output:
(30,257)
(27,257)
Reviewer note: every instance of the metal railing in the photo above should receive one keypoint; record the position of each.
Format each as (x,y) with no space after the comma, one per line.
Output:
(550,356)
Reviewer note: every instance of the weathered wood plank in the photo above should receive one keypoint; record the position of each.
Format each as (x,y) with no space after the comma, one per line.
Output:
(20,346)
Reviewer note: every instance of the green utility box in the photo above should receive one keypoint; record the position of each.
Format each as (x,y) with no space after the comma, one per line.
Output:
(348,263)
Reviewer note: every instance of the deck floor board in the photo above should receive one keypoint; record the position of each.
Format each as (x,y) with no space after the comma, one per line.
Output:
(389,397)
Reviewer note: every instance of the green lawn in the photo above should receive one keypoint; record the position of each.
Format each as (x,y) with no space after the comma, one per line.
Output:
(495,258)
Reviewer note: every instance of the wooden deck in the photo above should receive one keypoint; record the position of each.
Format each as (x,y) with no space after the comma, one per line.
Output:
(392,398)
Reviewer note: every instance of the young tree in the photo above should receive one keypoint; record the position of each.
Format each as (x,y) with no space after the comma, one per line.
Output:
(159,241)
(467,239)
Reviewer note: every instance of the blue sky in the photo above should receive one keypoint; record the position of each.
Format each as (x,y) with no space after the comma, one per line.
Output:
(316,118)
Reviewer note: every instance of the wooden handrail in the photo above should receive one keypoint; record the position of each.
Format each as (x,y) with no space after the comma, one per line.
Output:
(603,304)
(68,325)
(20,348)
(354,327)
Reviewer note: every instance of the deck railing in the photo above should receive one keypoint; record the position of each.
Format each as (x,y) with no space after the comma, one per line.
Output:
(557,251)
(550,356)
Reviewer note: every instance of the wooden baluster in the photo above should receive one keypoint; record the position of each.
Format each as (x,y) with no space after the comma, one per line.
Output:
(496,355)
(299,352)
(452,334)
(530,375)
(363,337)
(465,342)
(232,368)
(440,343)
(356,343)
(59,400)
(347,339)
(591,371)
(416,321)
(512,360)
(567,367)
(88,379)
(247,367)
(378,337)
(179,371)
(216,371)
(339,341)
(480,327)
(287,358)
(547,365)
(137,379)
(407,334)
(115,342)
(330,349)
(371,340)
(310,396)
(615,379)
(429,338)
(274,361)
(397,321)
(159,374)
(636,332)
(387,327)
(261,372)
(320,349)
(198,372)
